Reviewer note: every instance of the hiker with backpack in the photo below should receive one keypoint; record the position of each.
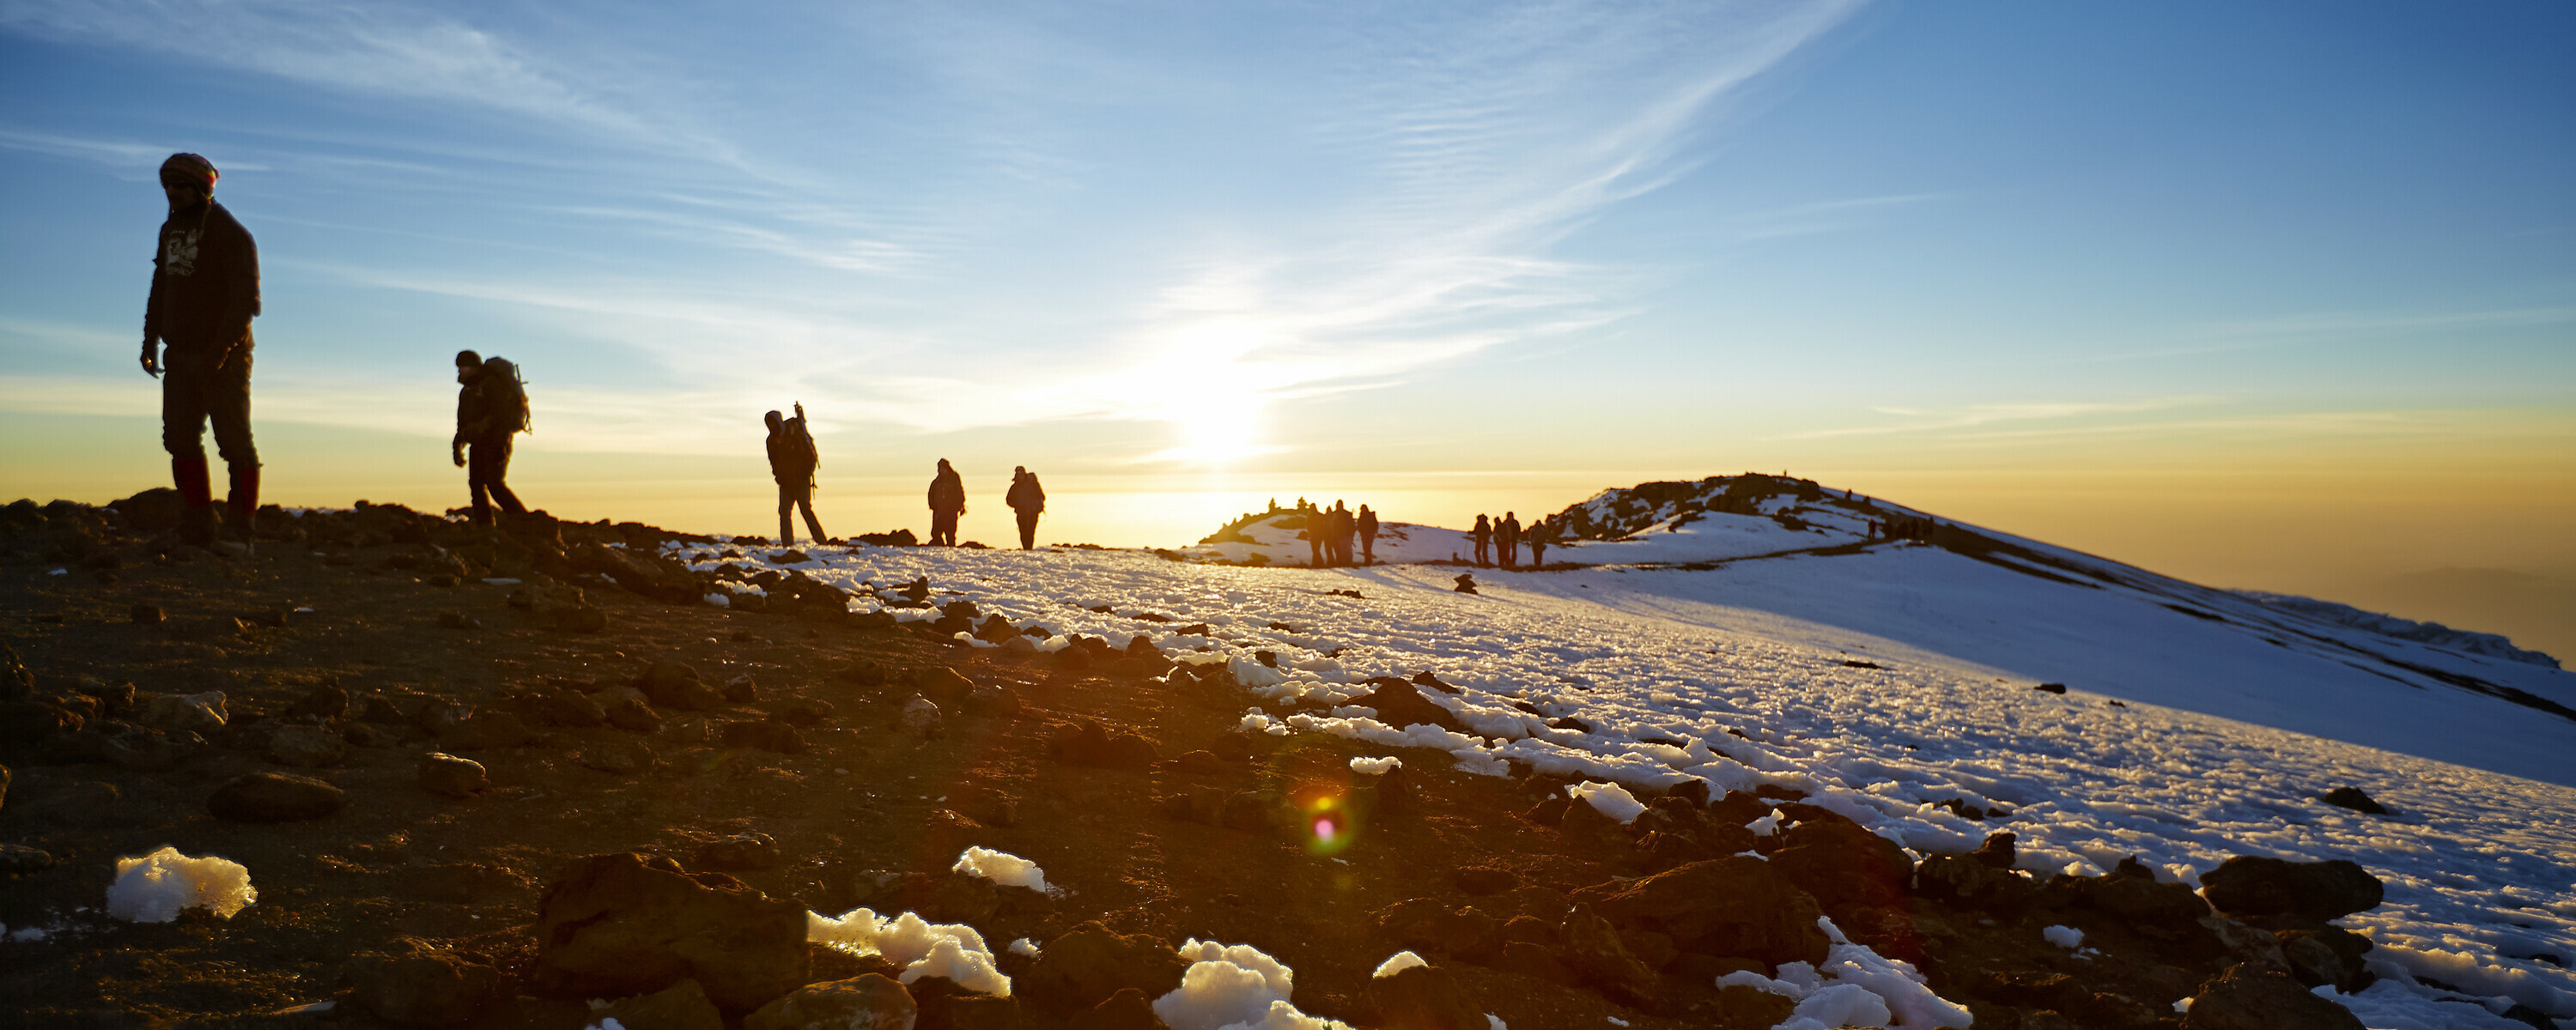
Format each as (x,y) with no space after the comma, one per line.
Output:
(1028,500)
(947,502)
(205,291)
(1507,540)
(1538,536)
(1484,534)
(491,407)
(1368,536)
(792,461)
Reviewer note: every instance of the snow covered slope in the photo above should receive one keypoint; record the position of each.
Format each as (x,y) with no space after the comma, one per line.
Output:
(1886,677)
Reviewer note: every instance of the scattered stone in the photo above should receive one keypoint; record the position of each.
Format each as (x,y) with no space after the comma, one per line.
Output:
(2331,955)
(2252,886)
(681,1006)
(1728,906)
(442,773)
(275,798)
(633,715)
(742,690)
(920,717)
(1997,851)
(1970,883)
(620,923)
(992,702)
(194,713)
(2353,798)
(1400,704)
(1087,742)
(675,685)
(1423,998)
(150,750)
(1084,966)
(620,757)
(422,986)
(2050,688)
(2244,998)
(307,746)
(1595,952)
(865,1002)
(1842,864)
(361,734)
(19,858)
(327,702)
(743,851)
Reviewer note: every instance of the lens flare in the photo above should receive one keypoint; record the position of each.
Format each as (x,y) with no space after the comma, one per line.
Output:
(1330,823)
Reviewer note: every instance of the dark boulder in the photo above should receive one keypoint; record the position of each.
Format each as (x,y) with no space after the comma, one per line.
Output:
(2353,798)
(620,923)
(275,798)
(2254,887)
(1400,704)
(1423,998)
(2244,998)
(423,986)
(1842,864)
(1726,906)
(1084,966)
(864,1002)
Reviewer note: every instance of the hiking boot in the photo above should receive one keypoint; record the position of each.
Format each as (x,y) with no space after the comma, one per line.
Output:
(197,526)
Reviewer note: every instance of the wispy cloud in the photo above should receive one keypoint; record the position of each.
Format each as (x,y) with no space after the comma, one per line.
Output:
(1945,421)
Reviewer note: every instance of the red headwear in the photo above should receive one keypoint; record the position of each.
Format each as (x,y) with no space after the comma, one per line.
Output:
(192,170)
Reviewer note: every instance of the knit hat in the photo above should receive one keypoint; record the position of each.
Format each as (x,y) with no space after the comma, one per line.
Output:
(191,170)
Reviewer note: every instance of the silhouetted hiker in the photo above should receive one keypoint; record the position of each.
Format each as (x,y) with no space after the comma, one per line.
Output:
(1368,536)
(491,407)
(1484,541)
(1318,524)
(1539,535)
(1507,540)
(947,502)
(1343,526)
(205,291)
(792,462)
(1028,499)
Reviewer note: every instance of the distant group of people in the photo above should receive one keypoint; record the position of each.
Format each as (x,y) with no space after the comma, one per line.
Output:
(1330,532)
(1027,500)
(1503,538)
(1902,527)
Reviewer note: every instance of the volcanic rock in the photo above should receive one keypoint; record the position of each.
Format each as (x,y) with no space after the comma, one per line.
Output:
(1842,864)
(620,757)
(1428,924)
(1087,742)
(1726,906)
(1597,955)
(1423,998)
(681,1006)
(1084,966)
(1400,704)
(624,924)
(309,746)
(1128,1009)
(742,851)
(866,1002)
(2353,798)
(275,798)
(2252,886)
(2247,999)
(443,773)
(764,735)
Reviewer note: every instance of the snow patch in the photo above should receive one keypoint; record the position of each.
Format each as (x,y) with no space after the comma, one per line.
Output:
(1376,766)
(922,948)
(1612,799)
(156,887)
(1234,987)
(1002,868)
(1397,963)
(2066,937)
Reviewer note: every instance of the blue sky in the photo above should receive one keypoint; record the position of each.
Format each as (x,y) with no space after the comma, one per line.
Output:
(1900,245)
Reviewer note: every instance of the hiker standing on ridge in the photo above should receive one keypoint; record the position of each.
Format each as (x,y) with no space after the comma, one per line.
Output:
(205,291)
(1507,540)
(1337,547)
(947,502)
(1028,500)
(1484,541)
(1539,535)
(792,462)
(491,407)
(1368,536)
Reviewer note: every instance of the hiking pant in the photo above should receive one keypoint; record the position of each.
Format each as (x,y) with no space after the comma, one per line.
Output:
(1028,530)
(1538,555)
(1483,554)
(194,393)
(1508,551)
(1368,549)
(943,528)
(797,496)
(487,461)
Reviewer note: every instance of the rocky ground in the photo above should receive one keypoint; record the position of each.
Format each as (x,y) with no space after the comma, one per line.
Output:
(469,803)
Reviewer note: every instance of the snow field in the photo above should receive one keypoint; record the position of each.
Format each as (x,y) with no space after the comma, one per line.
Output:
(1646,693)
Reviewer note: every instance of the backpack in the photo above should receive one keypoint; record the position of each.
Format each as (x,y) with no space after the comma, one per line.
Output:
(504,395)
(801,443)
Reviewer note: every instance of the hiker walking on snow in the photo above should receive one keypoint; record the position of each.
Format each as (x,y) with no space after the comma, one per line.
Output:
(1484,541)
(792,462)
(1539,535)
(1507,540)
(947,502)
(1343,527)
(205,291)
(1368,536)
(491,407)
(1028,500)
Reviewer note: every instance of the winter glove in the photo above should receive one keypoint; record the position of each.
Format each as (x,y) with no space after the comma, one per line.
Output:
(151,360)
(457,451)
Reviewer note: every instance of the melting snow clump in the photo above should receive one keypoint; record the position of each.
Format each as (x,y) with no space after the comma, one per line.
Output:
(154,888)
(1234,988)
(1612,799)
(1376,766)
(1397,963)
(1000,867)
(922,948)
(1024,946)
(2063,936)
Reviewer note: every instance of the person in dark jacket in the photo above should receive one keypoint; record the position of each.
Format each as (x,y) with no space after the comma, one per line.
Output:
(1339,543)
(947,503)
(1539,535)
(1028,500)
(792,462)
(205,291)
(1368,536)
(491,407)
(1507,540)
(1484,533)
